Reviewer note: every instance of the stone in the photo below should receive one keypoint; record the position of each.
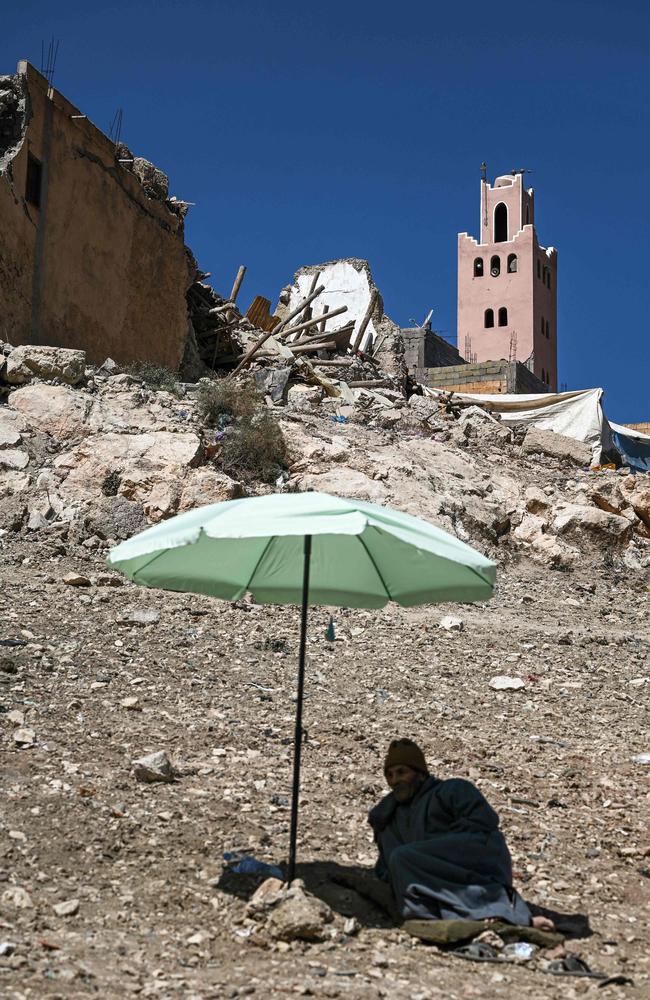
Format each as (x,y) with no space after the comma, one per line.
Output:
(607,496)
(531,526)
(450,623)
(583,524)
(304,398)
(273,382)
(109,367)
(9,435)
(153,180)
(154,767)
(139,616)
(17,897)
(550,551)
(67,908)
(115,517)
(13,458)
(205,486)
(504,683)
(345,482)
(53,409)
(536,500)
(639,500)
(31,360)
(265,897)
(24,737)
(425,408)
(556,446)
(76,580)
(132,704)
(298,917)
(15,717)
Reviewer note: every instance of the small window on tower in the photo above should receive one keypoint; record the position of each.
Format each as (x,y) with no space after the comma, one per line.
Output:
(547,330)
(495,266)
(539,269)
(478,267)
(542,326)
(33,181)
(548,277)
(543,375)
(503,316)
(527,215)
(489,318)
(512,263)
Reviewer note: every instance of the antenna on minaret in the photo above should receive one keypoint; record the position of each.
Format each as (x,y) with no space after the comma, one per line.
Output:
(484,171)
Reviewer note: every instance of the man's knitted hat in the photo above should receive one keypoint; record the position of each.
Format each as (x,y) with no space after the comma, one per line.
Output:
(405,753)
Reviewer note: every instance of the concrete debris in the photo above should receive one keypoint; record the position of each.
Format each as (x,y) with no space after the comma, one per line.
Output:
(505,683)
(67,908)
(298,916)
(450,623)
(139,616)
(24,737)
(538,441)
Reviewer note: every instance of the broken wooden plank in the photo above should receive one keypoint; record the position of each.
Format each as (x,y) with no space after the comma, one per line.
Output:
(312,322)
(259,313)
(366,319)
(372,383)
(238,280)
(326,309)
(312,288)
(299,309)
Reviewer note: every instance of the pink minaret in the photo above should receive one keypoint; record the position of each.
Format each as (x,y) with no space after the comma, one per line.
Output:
(507,284)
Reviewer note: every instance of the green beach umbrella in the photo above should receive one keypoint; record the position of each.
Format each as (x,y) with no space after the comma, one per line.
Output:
(306,548)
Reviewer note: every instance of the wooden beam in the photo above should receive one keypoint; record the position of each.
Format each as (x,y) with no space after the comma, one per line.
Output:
(299,309)
(366,319)
(238,280)
(312,322)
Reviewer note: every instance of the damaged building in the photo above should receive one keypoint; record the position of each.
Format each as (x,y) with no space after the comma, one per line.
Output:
(92,250)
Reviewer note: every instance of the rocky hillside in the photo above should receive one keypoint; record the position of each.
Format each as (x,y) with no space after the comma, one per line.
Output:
(111,885)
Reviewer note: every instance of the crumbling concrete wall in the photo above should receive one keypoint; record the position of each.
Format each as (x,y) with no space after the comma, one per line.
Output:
(348,283)
(92,253)
(486,376)
(423,348)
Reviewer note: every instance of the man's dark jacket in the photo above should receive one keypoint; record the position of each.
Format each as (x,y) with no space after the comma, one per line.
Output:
(445,856)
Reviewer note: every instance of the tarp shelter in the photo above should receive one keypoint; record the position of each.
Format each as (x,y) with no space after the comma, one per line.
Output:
(578,415)
(634,447)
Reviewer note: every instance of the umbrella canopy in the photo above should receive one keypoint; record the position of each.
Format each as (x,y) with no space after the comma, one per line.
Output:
(362,555)
(302,548)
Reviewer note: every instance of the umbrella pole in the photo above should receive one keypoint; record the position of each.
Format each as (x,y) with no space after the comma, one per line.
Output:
(297,741)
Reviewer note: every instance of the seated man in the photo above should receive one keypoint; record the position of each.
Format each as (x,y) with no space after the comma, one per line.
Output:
(440,847)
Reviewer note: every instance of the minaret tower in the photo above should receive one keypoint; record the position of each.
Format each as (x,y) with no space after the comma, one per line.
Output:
(507,302)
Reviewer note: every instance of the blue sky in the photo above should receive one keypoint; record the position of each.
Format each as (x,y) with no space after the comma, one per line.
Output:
(304,135)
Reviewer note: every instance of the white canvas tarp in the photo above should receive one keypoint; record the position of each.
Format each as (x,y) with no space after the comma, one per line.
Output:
(577,415)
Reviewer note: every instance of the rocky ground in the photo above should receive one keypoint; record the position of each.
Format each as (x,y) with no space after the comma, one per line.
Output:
(110,885)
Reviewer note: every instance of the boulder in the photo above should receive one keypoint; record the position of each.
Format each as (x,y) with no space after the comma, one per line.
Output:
(141,460)
(115,517)
(581,523)
(13,458)
(273,382)
(53,409)
(345,482)
(607,496)
(558,446)
(205,486)
(25,363)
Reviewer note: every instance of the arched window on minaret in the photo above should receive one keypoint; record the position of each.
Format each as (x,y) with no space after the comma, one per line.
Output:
(478,267)
(527,215)
(503,316)
(512,263)
(501,223)
(543,375)
(495,266)
(489,318)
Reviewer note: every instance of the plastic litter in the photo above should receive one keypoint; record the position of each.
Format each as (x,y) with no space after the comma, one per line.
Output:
(248,865)
(642,758)
(339,419)
(330,634)
(521,951)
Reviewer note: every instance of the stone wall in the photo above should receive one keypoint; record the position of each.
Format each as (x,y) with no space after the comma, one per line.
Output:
(425,349)
(92,253)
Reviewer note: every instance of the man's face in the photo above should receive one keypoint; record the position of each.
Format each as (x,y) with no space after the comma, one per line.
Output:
(403,781)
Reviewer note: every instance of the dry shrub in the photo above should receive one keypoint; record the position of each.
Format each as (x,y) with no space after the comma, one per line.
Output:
(254,449)
(228,398)
(154,376)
